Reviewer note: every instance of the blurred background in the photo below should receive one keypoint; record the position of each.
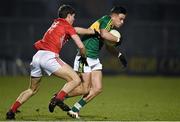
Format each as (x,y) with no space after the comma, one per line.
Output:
(151,34)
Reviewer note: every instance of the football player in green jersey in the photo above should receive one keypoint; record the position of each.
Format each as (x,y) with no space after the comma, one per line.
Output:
(91,71)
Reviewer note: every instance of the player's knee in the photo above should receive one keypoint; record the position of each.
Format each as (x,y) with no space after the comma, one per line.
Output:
(33,91)
(77,80)
(29,91)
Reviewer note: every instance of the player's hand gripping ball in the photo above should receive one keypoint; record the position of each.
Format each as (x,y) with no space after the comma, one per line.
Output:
(118,35)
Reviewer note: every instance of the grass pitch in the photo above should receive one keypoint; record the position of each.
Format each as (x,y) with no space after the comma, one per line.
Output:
(123,98)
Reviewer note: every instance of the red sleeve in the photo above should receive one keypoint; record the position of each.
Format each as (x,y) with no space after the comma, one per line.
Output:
(70,30)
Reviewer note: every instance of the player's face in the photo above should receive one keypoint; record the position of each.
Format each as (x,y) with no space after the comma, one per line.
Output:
(71,18)
(118,20)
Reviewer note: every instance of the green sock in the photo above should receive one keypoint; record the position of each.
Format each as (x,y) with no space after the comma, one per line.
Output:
(78,105)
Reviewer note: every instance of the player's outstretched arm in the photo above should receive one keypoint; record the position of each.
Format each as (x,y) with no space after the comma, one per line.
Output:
(79,44)
(84,31)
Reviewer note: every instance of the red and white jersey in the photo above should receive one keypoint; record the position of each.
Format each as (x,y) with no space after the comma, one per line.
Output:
(56,36)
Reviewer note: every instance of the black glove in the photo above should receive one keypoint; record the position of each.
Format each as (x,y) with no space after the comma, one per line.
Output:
(122,59)
(83,61)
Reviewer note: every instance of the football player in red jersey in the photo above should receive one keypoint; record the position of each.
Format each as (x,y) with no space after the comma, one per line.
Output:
(47,59)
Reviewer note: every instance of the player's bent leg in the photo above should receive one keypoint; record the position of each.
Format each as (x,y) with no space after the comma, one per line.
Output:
(96,85)
(84,87)
(33,89)
(23,97)
(68,74)
(96,88)
(73,80)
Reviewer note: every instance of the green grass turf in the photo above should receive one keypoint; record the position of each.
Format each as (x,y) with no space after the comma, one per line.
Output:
(123,98)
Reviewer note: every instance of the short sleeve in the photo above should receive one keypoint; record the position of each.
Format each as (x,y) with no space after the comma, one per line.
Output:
(70,30)
(105,23)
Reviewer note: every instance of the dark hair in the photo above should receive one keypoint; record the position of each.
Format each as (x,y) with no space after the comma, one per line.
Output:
(118,10)
(64,10)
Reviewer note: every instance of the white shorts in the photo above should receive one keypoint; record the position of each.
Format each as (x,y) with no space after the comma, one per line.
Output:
(45,60)
(93,64)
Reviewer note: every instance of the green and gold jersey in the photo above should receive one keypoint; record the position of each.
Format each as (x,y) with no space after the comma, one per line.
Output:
(93,44)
